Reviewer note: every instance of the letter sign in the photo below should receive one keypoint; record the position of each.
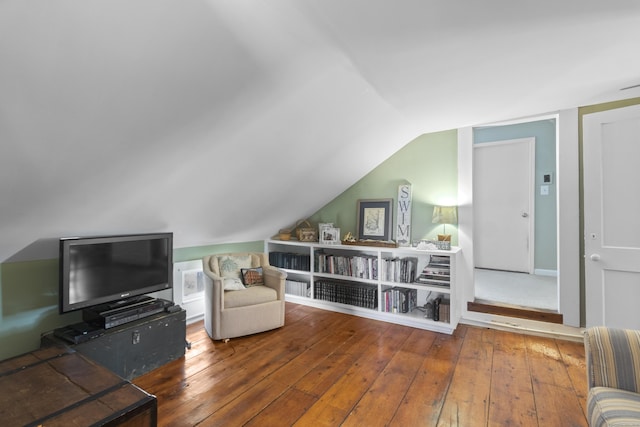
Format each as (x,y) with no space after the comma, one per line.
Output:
(403,234)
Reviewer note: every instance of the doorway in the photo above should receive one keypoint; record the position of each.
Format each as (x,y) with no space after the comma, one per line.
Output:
(523,268)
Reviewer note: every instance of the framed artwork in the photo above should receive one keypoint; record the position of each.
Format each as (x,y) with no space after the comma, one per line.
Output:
(330,236)
(192,285)
(322,227)
(375,219)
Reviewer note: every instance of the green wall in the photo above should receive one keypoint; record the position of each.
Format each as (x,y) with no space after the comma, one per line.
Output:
(545,216)
(29,297)
(429,163)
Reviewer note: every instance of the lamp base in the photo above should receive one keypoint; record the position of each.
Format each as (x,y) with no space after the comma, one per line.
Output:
(444,237)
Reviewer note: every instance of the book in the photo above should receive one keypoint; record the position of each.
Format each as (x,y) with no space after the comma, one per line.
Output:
(437,272)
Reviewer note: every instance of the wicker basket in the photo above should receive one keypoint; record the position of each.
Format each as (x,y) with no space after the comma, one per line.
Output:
(305,232)
(284,234)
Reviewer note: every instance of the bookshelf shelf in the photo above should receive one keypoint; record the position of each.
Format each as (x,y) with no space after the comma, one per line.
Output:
(388,284)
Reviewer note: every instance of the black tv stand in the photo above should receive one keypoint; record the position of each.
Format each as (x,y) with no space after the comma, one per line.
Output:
(134,348)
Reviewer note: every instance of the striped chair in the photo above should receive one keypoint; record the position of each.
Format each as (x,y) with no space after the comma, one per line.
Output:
(613,376)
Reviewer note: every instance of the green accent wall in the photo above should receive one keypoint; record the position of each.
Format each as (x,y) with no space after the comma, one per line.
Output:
(197,252)
(429,163)
(29,297)
(545,215)
(29,293)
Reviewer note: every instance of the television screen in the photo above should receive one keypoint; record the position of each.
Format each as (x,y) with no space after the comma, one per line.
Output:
(98,270)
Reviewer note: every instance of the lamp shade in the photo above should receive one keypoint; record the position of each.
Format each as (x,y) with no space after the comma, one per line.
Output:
(445,215)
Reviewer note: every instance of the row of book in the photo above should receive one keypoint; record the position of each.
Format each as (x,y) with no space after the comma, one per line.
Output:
(437,272)
(359,266)
(441,310)
(357,294)
(400,270)
(298,288)
(399,300)
(291,261)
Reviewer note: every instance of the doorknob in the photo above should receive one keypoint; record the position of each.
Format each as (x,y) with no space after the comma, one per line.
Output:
(525,215)
(595,257)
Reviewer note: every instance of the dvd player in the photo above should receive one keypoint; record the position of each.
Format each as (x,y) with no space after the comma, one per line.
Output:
(107,317)
(79,332)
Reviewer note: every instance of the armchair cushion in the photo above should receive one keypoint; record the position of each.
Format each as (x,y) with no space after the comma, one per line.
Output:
(250,296)
(613,407)
(233,284)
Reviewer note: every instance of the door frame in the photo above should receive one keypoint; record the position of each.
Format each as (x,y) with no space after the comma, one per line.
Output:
(568,221)
(531,149)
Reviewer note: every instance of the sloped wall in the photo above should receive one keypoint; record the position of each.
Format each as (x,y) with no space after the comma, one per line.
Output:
(428,163)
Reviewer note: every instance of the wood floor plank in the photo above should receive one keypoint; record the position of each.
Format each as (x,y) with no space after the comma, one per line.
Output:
(326,373)
(512,400)
(284,411)
(350,387)
(550,378)
(573,356)
(331,369)
(379,404)
(247,406)
(423,401)
(467,400)
(234,375)
(546,361)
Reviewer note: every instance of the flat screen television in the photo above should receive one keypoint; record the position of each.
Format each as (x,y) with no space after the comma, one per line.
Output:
(106,269)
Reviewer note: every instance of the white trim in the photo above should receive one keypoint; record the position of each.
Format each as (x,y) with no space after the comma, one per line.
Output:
(543,272)
(465,216)
(532,327)
(520,120)
(567,182)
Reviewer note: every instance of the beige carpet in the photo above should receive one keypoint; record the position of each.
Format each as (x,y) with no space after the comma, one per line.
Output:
(528,290)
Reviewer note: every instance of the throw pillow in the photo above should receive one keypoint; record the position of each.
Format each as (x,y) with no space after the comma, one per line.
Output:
(233,284)
(252,276)
(230,265)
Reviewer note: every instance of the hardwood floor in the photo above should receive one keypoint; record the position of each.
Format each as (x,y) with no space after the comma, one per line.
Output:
(331,369)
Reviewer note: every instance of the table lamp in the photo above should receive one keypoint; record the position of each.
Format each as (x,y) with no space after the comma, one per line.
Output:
(445,215)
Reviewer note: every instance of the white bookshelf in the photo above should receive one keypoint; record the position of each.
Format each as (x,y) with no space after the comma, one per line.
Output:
(305,260)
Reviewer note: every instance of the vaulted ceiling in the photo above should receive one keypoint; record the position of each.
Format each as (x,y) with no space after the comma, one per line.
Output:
(224,121)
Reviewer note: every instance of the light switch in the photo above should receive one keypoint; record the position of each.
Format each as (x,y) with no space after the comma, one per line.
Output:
(544,190)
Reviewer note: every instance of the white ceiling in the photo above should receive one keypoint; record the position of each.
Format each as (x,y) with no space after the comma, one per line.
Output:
(223,121)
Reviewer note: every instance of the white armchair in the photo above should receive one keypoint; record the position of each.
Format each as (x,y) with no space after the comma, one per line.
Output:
(234,309)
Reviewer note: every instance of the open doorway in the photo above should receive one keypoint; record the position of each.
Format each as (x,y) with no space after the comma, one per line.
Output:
(515,214)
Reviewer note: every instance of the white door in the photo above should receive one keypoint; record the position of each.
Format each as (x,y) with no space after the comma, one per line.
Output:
(503,185)
(611,142)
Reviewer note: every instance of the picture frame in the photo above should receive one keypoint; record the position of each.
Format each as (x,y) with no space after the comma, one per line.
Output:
(322,226)
(330,236)
(192,285)
(375,219)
